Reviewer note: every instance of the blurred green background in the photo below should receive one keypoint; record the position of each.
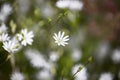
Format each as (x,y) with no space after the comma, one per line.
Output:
(94,31)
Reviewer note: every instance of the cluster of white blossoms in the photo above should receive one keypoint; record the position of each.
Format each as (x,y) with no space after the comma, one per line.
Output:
(13,44)
(17,76)
(60,39)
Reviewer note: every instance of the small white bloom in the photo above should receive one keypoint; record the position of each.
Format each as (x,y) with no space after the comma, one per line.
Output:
(4,37)
(54,56)
(36,59)
(11,46)
(71,4)
(82,75)
(3,28)
(76,55)
(60,39)
(5,11)
(76,5)
(25,37)
(102,51)
(63,4)
(106,76)
(116,56)
(17,76)
(44,75)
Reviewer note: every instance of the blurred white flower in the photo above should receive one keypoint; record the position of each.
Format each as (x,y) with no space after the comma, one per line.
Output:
(71,4)
(17,76)
(82,75)
(106,76)
(25,37)
(3,28)
(76,55)
(5,11)
(47,11)
(4,37)
(116,56)
(36,59)
(44,75)
(54,56)
(11,46)
(63,3)
(23,7)
(60,39)
(101,51)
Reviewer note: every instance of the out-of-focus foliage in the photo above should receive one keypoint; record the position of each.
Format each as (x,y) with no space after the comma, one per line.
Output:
(93,27)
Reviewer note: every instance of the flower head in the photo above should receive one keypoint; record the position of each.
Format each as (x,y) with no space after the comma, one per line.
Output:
(25,37)
(60,39)
(17,76)
(11,46)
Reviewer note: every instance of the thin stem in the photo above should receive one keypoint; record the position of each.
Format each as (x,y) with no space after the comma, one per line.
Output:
(74,74)
(79,69)
(12,61)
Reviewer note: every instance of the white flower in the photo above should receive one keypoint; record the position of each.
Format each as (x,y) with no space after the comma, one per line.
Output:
(17,76)
(116,56)
(54,56)
(106,76)
(82,75)
(102,51)
(25,37)
(4,37)
(11,46)
(3,28)
(76,5)
(44,75)
(62,4)
(36,59)
(76,55)
(60,39)
(5,11)
(71,4)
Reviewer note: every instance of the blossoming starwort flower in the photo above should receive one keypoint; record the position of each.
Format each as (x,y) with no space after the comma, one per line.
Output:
(60,39)
(11,46)
(25,37)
